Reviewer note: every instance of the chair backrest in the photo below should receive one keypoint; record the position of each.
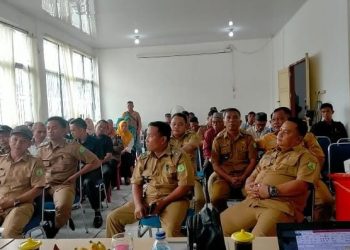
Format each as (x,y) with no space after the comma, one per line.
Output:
(342,140)
(337,154)
(324,142)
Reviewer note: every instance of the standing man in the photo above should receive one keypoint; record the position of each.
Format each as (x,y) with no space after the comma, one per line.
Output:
(162,177)
(233,157)
(134,122)
(61,160)
(278,187)
(4,139)
(327,127)
(22,178)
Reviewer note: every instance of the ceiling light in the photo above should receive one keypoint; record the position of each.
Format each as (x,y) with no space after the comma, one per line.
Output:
(230,23)
(231,33)
(136,31)
(137,40)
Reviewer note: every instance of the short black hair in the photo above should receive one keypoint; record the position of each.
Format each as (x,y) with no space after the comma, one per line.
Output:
(301,125)
(182,115)
(232,110)
(185,113)
(261,116)
(167,115)
(326,105)
(251,113)
(63,123)
(286,110)
(130,102)
(211,112)
(194,119)
(163,128)
(101,121)
(79,122)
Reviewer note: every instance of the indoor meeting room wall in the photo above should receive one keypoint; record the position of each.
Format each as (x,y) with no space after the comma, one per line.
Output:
(320,28)
(196,82)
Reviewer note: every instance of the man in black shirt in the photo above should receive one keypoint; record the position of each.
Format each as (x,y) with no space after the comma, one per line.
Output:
(78,129)
(108,165)
(327,127)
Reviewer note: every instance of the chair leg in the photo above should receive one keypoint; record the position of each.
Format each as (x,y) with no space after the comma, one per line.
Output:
(118,178)
(83,214)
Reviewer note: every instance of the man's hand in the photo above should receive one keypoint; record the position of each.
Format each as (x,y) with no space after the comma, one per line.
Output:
(140,211)
(160,205)
(258,190)
(5,203)
(236,181)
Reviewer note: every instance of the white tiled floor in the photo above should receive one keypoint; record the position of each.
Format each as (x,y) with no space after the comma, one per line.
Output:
(119,197)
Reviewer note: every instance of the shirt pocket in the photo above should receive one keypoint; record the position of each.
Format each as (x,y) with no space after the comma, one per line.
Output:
(289,166)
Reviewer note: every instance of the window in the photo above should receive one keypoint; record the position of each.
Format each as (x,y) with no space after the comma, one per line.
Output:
(70,79)
(79,13)
(16,95)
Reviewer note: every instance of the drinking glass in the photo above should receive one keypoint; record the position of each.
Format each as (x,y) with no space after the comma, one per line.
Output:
(122,241)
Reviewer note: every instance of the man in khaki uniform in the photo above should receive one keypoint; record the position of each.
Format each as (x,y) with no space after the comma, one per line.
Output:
(233,158)
(162,177)
(22,178)
(189,142)
(324,201)
(278,187)
(4,139)
(61,160)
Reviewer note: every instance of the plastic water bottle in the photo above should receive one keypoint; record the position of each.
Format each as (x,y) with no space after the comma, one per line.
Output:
(160,243)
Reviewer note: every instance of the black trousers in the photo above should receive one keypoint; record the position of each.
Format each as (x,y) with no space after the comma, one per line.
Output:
(90,188)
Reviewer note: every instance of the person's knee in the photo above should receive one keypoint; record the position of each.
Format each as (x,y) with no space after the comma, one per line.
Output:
(11,232)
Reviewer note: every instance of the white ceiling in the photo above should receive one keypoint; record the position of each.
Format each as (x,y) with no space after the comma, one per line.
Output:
(170,22)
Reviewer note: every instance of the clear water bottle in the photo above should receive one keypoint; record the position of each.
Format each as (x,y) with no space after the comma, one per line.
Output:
(160,242)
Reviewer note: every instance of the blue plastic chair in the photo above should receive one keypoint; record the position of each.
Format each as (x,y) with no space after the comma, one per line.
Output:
(153,221)
(324,142)
(337,154)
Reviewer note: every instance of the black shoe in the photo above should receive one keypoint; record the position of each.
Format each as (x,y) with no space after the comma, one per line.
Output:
(98,221)
(71,224)
(50,230)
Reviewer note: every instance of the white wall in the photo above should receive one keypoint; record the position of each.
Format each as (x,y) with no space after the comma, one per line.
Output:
(194,82)
(39,30)
(320,28)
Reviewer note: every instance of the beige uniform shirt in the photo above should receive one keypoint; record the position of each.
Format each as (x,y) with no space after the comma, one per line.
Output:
(277,167)
(16,178)
(163,175)
(269,142)
(233,154)
(188,138)
(62,161)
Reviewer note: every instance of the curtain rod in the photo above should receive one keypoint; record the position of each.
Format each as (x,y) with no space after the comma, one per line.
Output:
(14,27)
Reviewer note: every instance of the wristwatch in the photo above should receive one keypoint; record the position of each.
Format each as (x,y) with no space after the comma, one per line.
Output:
(273,192)
(16,202)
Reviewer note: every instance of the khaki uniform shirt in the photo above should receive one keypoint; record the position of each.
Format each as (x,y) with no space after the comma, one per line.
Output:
(277,167)
(16,178)
(188,138)
(233,154)
(162,175)
(269,142)
(62,161)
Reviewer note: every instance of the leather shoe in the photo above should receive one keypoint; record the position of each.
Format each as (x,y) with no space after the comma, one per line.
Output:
(98,221)
(50,230)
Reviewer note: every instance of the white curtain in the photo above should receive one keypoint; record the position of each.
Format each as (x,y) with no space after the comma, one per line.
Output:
(17,75)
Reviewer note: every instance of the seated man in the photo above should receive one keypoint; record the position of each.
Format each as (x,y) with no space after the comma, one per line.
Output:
(4,139)
(168,177)
(324,202)
(278,188)
(39,136)
(233,157)
(259,129)
(61,160)
(22,179)
(188,142)
(78,128)
(327,127)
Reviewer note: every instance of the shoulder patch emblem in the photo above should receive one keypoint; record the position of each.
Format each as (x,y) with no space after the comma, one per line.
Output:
(143,155)
(39,172)
(181,168)
(311,165)
(82,149)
